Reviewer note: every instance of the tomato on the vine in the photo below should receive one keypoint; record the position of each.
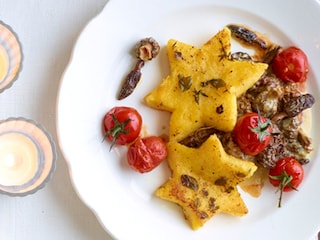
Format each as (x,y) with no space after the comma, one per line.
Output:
(122,125)
(252,133)
(146,153)
(286,175)
(291,65)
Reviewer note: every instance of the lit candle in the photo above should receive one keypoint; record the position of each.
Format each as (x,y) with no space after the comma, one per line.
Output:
(18,159)
(10,56)
(27,156)
(4,62)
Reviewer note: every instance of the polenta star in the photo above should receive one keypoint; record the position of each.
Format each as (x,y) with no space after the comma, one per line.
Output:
(203,85)
(204,181)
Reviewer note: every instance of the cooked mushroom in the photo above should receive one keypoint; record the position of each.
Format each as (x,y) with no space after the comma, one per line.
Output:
(296,105)
(247,36)
(131,81)
(147,49)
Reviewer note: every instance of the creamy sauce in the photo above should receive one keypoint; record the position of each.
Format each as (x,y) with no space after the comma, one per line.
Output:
(18,159)
(4,62)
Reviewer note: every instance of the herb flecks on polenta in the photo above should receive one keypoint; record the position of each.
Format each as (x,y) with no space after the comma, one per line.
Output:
(201,91)
(203,85)
(204,181)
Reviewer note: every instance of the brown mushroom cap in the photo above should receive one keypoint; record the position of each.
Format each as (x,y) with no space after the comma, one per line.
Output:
(147,49)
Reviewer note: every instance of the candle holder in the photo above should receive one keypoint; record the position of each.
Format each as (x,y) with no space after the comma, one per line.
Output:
(27,157)
(10,56)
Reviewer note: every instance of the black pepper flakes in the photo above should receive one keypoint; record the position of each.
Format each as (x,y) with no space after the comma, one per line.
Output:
(219,109)
(212,205)
(205,193)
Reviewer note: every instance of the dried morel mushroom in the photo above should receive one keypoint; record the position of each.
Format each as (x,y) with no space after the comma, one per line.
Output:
(146,49)
(131,81)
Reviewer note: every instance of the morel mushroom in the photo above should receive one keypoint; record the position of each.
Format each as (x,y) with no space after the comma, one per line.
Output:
(146,49)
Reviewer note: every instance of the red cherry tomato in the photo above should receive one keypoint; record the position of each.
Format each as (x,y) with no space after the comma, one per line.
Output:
(252,133)
(290,167)
(291,65)
(146,153)
(286,175)
(122,125)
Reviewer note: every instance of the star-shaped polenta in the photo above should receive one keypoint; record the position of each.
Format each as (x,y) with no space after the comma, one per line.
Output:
(203,85)
(204,181)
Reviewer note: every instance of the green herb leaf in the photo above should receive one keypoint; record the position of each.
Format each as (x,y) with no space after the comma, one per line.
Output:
(184,82)
(197,93)
(119,128)
(262,129)
(216,82)
(285,180)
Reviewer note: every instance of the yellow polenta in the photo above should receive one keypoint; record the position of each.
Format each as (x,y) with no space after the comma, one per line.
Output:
(204,181)
(203,85)
(201,91)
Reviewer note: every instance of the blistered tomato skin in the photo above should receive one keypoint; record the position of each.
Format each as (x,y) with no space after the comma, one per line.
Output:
(291,65)
(146,153)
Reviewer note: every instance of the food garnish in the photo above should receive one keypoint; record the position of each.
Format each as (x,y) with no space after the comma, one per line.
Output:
(131,81)
(204,181)
(122,125)
(265,50)
(252,133)
(203,104)
(286,175)
(247,36)
(291,65)
(146,49)
(204,177)
(236,120)
(297,104)
(146,153)
(207,91)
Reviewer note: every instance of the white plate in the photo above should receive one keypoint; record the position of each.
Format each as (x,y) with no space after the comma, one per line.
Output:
(122,199)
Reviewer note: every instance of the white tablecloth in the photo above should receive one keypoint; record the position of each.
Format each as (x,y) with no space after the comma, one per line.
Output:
(47,30)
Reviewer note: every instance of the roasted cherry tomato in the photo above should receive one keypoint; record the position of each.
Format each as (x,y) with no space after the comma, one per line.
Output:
(252,133)
(286,175)
(122,125)
(146,153)
(291,65)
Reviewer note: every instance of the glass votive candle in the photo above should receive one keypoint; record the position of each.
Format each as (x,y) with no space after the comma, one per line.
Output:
(10,56)
(27,156)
